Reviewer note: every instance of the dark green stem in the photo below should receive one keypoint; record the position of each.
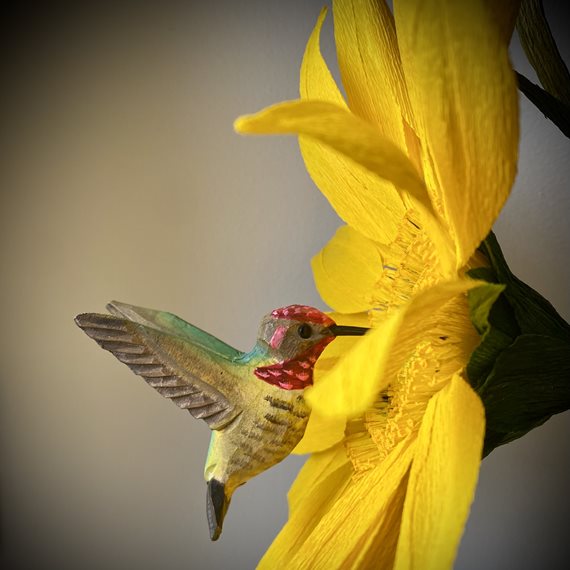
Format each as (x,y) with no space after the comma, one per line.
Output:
(550,106)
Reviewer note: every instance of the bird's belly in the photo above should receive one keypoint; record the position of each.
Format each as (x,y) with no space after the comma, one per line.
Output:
(260,439)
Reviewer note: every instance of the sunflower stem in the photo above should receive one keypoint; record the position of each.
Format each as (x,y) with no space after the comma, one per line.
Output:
(550,106)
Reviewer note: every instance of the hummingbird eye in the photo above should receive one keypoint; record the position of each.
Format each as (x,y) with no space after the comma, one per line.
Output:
(305,330)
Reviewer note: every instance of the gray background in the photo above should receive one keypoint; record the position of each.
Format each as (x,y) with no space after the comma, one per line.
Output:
(123,179)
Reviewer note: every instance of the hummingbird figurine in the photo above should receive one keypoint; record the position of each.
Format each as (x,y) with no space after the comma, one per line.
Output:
(253,402)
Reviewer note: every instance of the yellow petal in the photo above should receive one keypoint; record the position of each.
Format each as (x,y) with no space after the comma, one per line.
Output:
(344,183)
(316,81)
(360,530)
(369,62)
(346,270)
(504,15)
(341,344)
(315,471)
(442,479)
(352,319)
(344,132)
(323,477)
(335,350)
(464,96)
(321,433)
(363,144)
(369,204)
(353,384)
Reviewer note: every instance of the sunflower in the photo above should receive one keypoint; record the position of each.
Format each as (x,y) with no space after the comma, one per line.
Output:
(418,160)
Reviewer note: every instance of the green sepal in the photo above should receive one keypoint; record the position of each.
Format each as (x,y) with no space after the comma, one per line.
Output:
(484,307)
(533,313)
(528,384)
(521,368)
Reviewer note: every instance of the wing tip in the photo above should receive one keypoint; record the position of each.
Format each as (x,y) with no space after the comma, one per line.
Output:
(116,308)
(88,320)
(138,315)
(84,319)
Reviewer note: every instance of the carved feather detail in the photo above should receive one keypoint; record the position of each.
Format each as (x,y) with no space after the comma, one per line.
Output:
(152,354)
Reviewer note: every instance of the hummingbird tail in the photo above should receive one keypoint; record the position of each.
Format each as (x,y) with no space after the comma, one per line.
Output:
(216,507)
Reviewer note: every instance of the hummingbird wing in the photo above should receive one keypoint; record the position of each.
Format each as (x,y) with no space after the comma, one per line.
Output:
(193,378)
(175,326)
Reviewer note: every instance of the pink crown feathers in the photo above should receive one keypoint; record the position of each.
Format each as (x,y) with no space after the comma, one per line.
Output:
(303,313)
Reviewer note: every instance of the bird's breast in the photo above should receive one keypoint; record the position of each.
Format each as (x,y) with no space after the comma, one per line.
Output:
(264,434)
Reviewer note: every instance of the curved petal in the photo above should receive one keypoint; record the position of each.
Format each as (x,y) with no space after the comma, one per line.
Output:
(354,319)
(346,270)
(360,530)
(363,144)
(316,80)
(369,62)
(352,385)
(344,132)
(442,479)
(321,433)
(316,469)
(345,184)
(323,477)
(505,16)
(368,203)
(335,350)
(464,94)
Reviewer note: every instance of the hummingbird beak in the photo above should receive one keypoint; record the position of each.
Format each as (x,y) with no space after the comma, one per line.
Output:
(343,330)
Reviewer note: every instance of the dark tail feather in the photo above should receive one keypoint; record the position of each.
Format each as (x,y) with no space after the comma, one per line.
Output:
(216,507)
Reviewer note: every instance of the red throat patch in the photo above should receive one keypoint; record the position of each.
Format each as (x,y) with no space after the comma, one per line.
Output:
(294,374)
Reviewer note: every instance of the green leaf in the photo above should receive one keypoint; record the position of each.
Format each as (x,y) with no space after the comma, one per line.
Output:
(528,384)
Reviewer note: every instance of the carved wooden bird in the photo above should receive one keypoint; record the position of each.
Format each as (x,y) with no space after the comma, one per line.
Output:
(253,402)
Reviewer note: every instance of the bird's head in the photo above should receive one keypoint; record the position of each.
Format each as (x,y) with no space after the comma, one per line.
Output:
(294,337)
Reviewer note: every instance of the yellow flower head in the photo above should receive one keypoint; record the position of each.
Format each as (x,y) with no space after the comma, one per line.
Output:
(418,161)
